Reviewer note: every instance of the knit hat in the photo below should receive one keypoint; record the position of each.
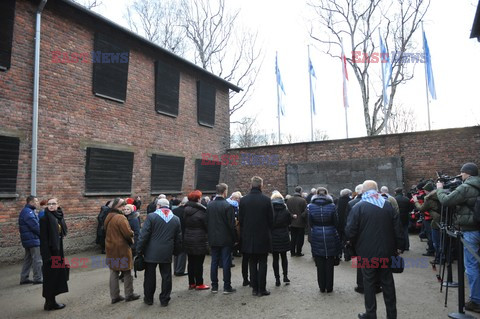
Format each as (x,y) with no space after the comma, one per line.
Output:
(130,200)
(428,187)
(470,168)
(163,202)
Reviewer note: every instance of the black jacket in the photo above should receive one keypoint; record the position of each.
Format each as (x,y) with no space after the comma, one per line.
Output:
(342,212)
(195,236)
(159,239)
(281,221)
(221,223)
(404,207)
(374,231)
(180,213)
(256,220)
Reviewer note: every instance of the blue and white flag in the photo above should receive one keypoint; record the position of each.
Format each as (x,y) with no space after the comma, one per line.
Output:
(428,68)
(386,70)
(313,84)
(280,88)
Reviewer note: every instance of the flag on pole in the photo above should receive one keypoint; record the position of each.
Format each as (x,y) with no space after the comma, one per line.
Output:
(313,84)
(280,88)
(386,70)
(345,77)
(428,68)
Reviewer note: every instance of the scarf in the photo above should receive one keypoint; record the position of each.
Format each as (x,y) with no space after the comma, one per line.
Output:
(165,213)
(374,198)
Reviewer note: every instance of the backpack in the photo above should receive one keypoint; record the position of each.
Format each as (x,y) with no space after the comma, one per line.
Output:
(476,207)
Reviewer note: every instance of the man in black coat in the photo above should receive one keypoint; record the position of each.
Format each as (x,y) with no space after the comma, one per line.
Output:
(374,229)
(297,206)
(221,238)
(405,207)
(160,238)
(180,261)
(345,197)
(256,221)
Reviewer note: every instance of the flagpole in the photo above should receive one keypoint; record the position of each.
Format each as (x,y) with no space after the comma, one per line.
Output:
(344,69)
(311,94)
(426,78)
(278,100)
(385,111)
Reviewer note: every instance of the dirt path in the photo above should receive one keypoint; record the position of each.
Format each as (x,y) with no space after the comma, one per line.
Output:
(417,289)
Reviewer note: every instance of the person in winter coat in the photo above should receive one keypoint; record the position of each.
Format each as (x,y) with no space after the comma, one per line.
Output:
(297,207)
(180,260)
(464,197)
(405,207)
(345,197)
(325,242)
(195,241)
(160,238)
(119,237)
(280,237)
(55,274)
(29,227)
(132,216)
(100,240)
(256,221)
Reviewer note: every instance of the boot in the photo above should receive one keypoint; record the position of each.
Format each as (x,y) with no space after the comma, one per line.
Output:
(286,280)
(277,281)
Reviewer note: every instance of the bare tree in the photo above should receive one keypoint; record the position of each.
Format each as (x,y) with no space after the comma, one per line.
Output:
(247,134)
(402,120)
(358,22)
(159,22)
(89,4)
(320,135)
(222,47)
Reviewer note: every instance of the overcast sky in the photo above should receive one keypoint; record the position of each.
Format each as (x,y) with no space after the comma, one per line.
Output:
(283,27)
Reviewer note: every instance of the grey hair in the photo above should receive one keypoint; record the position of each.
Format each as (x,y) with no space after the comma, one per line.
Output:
(369,185)
(384,189)
(345,192)
(359,188)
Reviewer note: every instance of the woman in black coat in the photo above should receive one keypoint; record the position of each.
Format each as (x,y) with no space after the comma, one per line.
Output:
(280,237)
(324,240)
(55,274)
(195,239)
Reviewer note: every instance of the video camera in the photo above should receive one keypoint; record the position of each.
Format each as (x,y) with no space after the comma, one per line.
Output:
(449,183)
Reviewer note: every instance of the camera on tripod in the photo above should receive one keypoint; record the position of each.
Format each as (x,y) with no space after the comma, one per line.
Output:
(449,183)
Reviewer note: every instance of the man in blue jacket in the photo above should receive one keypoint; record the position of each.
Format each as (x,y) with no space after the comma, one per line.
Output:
(29,227)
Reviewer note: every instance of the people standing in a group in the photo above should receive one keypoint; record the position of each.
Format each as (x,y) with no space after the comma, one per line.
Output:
(160,238)
(325,241)
(55,274)
(29,227)
(297,206)
(256,221)
(464,197)
(374,229)
(312,193)
(405,207)
(119,237)
(180,260)
(280,237)
(221,238)
(195,240)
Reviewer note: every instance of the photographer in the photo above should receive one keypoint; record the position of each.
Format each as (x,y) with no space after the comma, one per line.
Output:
(432,206)
(464,197)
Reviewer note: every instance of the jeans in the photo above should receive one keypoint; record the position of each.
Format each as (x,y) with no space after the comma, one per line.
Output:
(223,254)
(472,267)
(406,238)
(436,243)
(428,232)
(32,259)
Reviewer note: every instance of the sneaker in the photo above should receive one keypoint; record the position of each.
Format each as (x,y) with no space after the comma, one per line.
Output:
(472,306)
(214,289)
(228,291)
(202,287)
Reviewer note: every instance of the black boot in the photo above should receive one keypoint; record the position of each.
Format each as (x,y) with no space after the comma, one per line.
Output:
(277,281)
(286,280)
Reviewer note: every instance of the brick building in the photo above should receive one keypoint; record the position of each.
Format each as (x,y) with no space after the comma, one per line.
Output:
(117,116)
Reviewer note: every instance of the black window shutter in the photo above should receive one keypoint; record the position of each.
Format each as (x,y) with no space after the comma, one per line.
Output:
(9,150)
(167,174)
(206,103)
(7,20)
(207,176)
(108,171)
(110,68)
(167,88)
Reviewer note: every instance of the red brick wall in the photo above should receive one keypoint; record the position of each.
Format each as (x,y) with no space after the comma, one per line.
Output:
(424,153)
(71,118)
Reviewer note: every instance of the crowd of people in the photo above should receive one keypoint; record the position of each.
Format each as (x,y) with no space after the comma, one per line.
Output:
(367,224)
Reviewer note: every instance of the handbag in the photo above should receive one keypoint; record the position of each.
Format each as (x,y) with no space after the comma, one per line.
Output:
(138,264)
(397,265)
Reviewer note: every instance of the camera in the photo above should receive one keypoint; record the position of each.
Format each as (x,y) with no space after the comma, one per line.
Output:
(449,183)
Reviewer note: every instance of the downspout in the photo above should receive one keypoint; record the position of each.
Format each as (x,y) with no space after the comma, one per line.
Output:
(36,79)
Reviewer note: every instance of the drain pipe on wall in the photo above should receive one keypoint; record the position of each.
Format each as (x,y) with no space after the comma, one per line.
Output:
(36,80)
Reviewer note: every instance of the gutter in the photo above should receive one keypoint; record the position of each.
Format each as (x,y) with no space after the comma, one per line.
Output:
(36,80)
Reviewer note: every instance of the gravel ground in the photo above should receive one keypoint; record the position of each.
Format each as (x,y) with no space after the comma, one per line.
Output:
(418,295)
